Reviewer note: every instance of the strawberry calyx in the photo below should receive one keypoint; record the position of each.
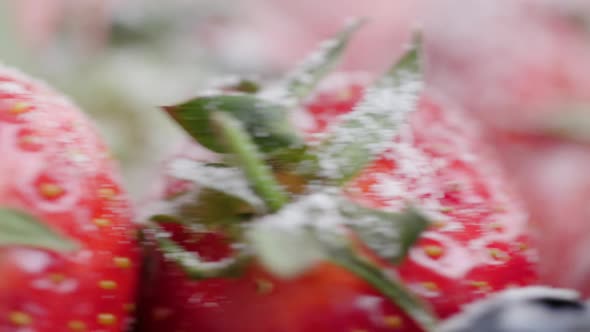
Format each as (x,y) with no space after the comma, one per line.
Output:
(267,118)
(281,200)
(298,84)
(376,119)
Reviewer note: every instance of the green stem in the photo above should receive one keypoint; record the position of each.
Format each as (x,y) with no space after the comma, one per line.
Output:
(241,146)
(410,61)
(387,285)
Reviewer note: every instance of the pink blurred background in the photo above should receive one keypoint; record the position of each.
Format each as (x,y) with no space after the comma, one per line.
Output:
(521,65)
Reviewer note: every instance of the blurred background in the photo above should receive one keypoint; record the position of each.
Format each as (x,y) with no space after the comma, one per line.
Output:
(121,59)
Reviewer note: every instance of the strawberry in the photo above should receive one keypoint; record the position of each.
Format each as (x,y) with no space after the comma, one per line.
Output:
(552,174)
(321,237)
(68,253)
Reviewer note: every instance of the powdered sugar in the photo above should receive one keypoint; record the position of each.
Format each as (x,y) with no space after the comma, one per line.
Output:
(368,130)
(228,180)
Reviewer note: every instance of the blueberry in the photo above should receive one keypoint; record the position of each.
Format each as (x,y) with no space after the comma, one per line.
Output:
(530,309)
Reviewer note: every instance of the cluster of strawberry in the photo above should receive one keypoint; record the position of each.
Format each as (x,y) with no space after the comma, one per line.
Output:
(316,202)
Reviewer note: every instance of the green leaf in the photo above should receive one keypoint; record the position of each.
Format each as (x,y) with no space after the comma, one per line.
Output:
(246,156)
(289,241)
(314,229)
(387,284)
(368,130)
(18,228)
(390,235)
(266,122)
(303,80)
(221,199)
(289,254)
(292,239)
(296,165)
(230,181)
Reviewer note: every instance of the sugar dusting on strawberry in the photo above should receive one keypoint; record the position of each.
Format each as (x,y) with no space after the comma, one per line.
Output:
(442,163)
(477,246)
(381,208)
(533,98)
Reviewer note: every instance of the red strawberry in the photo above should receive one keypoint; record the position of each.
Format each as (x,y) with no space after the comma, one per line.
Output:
(478,244)
(534,98)
(59,191)
(553,175)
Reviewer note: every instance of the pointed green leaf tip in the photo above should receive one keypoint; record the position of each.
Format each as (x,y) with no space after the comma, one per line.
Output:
(266,122)
(298,236)
(302,81)
(368,130)
(387,284)
(410,60)
(18,228)
(389,234)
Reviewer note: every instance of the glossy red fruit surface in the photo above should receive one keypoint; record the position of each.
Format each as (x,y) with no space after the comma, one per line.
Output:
(55,167)
(533,97)
(478,243)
